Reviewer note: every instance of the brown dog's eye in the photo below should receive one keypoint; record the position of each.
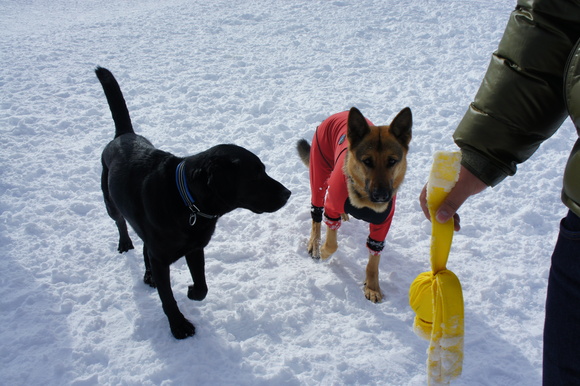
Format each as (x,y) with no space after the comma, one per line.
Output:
(368,162)
(392,162)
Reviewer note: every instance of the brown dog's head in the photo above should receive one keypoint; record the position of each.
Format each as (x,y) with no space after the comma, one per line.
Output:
(376,161)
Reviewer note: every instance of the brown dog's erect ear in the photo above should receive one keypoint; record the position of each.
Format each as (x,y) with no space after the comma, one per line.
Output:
(401,126)
(358,127)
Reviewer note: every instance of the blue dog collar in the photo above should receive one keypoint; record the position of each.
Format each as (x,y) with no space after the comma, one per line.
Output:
(180,180)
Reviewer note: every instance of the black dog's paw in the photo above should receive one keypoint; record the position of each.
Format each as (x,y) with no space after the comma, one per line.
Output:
(196,293)
(182,328)
(148,279)
(125,245)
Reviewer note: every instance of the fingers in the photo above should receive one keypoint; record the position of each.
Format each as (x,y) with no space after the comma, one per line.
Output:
(456,222)
(451,204)
(423,201)
(442,216)
(449,207)
(467,185)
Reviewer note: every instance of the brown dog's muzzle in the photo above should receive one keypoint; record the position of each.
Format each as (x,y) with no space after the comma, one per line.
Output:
(380,195)
(379,192)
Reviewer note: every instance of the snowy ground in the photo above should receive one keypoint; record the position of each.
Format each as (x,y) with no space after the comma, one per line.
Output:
(261,74)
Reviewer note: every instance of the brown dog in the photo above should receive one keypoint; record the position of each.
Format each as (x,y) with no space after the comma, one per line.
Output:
(356,168)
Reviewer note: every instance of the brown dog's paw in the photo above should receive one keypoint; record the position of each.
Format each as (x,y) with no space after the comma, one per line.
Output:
(373,295)
(330,244)
(314,248)
(327,251)
(314,241)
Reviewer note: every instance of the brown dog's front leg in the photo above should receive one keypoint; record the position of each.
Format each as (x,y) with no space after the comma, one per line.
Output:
(314,242)
(330,244)
(372,289)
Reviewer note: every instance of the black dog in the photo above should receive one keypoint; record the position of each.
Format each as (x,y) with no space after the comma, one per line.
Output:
(173,203)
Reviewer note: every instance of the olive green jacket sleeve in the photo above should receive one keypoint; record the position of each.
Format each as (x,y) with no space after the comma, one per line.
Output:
(521,100)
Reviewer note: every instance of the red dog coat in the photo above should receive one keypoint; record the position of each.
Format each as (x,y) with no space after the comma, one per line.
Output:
(328,182)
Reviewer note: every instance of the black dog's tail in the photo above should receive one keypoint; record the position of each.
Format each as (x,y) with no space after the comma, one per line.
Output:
(303,148)
(116,102)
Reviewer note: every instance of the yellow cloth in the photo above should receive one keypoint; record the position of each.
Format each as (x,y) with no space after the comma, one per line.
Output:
(436,296)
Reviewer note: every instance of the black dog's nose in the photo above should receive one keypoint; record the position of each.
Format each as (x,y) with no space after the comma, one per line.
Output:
(285,195)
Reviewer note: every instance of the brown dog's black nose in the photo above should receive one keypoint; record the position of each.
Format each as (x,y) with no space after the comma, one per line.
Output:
(380,195)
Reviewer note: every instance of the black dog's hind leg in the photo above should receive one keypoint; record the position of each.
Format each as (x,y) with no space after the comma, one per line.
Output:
(125,243)
(147,277)
(196,263)
(181,328)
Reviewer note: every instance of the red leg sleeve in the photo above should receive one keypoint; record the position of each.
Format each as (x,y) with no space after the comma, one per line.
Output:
(320,170)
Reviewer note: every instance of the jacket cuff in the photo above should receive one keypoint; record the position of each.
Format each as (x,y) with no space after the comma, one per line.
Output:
(332,223)
(482,168)
(316,213)
(375,247)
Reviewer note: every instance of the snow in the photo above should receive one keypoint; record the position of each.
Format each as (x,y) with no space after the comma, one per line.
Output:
(444,172)
(260,74)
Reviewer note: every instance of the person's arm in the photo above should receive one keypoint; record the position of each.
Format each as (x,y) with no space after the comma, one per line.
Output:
(520,102)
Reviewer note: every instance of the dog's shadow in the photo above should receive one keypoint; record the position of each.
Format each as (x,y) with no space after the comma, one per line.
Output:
(206,357)
(394,314)
(231,329)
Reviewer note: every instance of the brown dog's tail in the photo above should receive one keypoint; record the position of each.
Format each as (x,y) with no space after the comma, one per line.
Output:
(303,148)
(116,102)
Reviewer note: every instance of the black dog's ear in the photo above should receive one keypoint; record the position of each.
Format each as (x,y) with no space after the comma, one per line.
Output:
(401,126)
(221,179)
(358,127)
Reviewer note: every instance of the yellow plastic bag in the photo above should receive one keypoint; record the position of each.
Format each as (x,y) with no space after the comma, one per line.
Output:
(436,296)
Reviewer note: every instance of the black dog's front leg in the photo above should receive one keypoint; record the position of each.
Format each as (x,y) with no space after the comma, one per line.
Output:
(147,277)
(196,263)
(181,328)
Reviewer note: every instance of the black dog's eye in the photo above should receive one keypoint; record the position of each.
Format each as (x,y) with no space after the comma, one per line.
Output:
(258,172)
(392,162)
(368,162)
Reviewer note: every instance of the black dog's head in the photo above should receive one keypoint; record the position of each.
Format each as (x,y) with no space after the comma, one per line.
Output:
(237,178)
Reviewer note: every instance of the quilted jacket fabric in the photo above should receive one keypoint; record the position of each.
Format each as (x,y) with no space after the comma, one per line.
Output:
(531,86)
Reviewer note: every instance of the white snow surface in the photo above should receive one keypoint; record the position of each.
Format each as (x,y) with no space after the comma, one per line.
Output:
(260,74)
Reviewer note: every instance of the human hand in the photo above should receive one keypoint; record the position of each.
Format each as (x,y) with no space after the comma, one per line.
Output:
(467,185)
